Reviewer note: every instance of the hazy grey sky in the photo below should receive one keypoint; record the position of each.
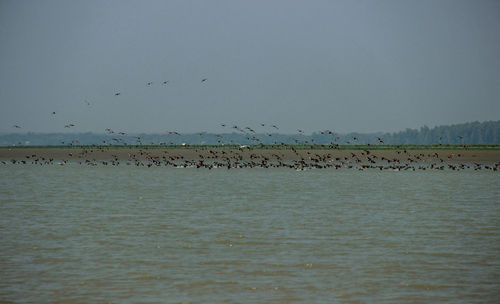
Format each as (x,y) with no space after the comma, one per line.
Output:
(341,65)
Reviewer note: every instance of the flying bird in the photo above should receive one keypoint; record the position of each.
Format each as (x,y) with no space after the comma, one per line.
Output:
(16,126)
(204,79)
(117,93)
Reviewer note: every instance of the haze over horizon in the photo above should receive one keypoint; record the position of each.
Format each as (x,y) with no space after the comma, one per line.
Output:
(363,66)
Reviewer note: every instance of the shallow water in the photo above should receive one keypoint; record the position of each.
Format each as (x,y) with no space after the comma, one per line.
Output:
(156,235)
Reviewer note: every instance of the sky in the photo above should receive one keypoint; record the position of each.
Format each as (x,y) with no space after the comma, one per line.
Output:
(346,66)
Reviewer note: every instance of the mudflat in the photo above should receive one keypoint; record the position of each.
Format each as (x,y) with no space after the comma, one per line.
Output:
(193,154)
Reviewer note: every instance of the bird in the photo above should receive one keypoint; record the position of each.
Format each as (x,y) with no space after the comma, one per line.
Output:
(274,126)
(16,126)
(150,83)
(165,82)
(117,93)
(53,113)
(204,79)
(87,102)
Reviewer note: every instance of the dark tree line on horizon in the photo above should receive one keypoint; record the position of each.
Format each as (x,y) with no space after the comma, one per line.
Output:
(472,133)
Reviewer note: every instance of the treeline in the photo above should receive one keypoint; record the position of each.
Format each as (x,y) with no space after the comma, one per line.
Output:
(473,133)
(467,134)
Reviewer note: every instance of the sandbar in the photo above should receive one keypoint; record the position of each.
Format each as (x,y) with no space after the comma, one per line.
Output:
(195,155)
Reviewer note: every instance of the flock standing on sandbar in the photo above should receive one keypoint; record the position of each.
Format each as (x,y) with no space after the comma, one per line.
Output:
(249,157)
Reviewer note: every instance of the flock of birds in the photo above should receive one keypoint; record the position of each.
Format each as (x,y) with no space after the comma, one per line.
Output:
(117,93)
(249,132)
(282,155)
(249,157)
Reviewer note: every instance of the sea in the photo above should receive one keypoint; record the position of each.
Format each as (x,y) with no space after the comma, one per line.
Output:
(104,234)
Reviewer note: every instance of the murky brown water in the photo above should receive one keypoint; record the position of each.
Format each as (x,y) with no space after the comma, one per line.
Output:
(167,235)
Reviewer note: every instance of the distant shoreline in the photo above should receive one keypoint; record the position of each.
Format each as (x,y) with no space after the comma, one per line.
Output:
(267,147)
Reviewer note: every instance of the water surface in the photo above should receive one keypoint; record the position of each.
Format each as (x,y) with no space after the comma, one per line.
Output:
(156,235)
